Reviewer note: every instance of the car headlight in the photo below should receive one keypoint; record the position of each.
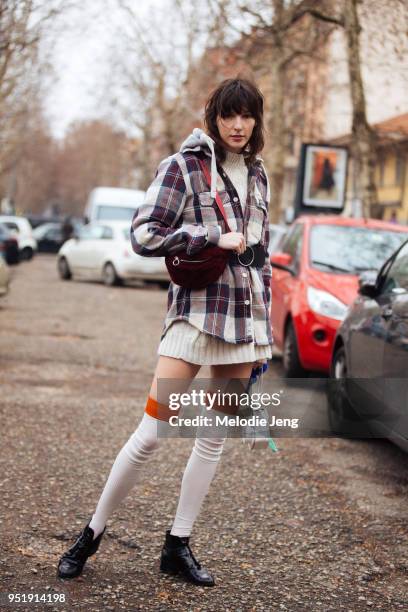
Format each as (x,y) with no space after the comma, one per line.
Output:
(326,304)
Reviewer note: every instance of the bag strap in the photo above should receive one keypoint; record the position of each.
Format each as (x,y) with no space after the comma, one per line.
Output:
(217,195)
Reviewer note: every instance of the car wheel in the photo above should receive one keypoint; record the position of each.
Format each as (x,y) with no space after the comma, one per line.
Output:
(63,269)
(343,419)
(26,254)
(290,357)
(109,275)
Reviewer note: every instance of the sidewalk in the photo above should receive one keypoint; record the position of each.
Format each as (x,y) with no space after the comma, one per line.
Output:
(278,530)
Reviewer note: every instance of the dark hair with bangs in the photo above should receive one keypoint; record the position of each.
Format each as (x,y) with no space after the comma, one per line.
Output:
(231,97)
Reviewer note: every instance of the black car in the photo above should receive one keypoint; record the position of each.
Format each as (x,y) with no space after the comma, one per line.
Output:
(8,246)
(49,237)
(37,220)
(368,387)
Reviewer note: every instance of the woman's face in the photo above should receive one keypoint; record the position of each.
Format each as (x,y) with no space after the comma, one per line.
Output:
(236,130)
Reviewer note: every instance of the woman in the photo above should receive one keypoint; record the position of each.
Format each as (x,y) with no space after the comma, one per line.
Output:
(226,325)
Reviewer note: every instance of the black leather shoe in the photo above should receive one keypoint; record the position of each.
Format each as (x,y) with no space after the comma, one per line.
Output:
(177,558)
(72,562)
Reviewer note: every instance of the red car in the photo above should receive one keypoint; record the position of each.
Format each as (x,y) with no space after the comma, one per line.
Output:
(315,279)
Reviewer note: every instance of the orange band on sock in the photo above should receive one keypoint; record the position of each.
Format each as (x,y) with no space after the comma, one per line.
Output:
(159,411)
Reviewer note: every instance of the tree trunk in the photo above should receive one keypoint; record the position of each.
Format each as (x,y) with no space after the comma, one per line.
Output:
(363,137)
(277,119)
(277,139)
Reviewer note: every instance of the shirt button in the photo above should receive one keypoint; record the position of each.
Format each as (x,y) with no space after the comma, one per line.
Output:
(235,199)
(244,274)
(246,302)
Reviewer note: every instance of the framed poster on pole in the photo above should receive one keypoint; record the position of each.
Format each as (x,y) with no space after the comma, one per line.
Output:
(321,179)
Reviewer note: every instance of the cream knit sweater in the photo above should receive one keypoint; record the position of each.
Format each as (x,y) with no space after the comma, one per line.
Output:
(237,171)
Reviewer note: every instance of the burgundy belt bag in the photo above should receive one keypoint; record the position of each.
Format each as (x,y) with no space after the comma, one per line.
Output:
(199,270)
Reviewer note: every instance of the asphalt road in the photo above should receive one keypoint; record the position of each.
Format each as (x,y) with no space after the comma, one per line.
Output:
(320,525)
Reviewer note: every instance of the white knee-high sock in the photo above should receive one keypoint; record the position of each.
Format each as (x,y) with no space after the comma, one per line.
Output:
(197,478)
(125,471)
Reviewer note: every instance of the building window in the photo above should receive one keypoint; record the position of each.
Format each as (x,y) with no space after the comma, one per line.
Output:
(399,168)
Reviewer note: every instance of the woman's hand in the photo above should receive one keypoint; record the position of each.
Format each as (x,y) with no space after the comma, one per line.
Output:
(233,241)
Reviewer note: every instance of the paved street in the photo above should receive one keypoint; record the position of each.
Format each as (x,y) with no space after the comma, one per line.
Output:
(320,525)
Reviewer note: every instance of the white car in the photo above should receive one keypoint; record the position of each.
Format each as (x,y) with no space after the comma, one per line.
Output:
(103,251)
(23,232)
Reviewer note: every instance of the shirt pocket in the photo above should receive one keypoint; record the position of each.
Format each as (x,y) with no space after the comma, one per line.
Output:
(210,212)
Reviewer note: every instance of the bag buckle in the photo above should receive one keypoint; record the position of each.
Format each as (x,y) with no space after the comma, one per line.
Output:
(243,255)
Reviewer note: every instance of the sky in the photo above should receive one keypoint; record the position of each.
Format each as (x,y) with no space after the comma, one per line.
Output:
(82,57)
(79,58)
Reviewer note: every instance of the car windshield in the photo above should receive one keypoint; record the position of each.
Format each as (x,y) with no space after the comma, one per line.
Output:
(275,237)
(41,230)
(12,226)
(126,233)
(351,250)
(4,231)
(115,213)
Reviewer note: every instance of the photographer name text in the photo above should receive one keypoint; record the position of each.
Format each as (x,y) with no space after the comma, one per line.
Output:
(232,421)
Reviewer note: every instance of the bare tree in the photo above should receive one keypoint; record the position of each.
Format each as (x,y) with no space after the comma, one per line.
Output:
(22,65)
(346,14)
(150,73)
(278,33)
(363,143)
(93,153)
(286,30)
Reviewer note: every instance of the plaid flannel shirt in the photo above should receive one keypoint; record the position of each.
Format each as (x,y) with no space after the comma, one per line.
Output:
(179,213)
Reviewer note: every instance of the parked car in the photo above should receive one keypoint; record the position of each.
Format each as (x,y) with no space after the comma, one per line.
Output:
(49,237)
(102,251)
(112,204)
(22,230)
(8,246)
(4,277)
(368,390)
(276,234)
(37,220)
(315,279)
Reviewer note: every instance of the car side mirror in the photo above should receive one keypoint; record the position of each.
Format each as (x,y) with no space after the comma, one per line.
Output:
(367,284)
(282,261)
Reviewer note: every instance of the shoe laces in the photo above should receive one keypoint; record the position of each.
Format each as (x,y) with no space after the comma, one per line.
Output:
(82,542)
(193,557)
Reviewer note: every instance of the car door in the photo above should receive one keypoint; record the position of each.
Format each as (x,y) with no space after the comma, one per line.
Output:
(366,339)
(82,254)
(102,248)
(98,245)
(283,283)
(395,361)
(51,240)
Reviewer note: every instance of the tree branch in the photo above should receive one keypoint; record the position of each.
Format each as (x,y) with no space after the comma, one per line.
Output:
(317,14)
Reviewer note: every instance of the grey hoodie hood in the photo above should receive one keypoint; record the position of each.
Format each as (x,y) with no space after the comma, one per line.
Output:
(200,141)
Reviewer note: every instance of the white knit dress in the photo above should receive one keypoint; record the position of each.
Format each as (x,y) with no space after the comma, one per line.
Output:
(184,341)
